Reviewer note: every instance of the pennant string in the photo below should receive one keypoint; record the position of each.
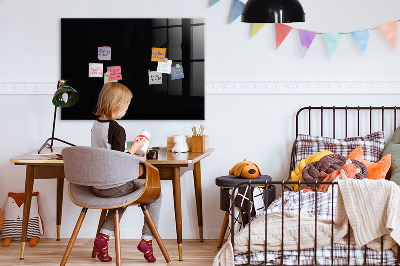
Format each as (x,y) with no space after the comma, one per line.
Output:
(348,32)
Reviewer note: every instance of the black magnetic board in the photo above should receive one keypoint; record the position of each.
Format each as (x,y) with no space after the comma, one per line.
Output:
(131,41)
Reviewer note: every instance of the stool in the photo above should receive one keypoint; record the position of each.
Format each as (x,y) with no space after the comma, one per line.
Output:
(226,183)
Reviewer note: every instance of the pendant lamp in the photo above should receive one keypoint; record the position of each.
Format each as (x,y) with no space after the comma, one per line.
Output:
(64,96)
(273,11)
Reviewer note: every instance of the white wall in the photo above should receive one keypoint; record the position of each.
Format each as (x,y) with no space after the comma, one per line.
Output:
(259,127)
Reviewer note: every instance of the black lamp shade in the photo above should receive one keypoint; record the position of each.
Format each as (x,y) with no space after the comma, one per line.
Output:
(65,96)
(273,11)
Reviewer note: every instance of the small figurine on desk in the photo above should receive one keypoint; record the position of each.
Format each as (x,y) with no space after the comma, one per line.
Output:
(180,144)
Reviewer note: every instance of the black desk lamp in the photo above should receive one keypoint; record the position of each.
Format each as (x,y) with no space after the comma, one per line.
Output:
(273,11)
(65,96)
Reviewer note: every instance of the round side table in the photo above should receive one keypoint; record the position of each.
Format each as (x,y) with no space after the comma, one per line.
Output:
(228,182)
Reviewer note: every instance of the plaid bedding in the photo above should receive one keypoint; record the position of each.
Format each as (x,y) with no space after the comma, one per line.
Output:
(322,207)
(324,257)
(372,145)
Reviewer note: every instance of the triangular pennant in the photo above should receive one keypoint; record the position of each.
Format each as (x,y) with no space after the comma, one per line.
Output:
(306,39)
(389,30)
(256,28)
(237,9)
(332,41)
(361,37)
(281,31)
(213,2)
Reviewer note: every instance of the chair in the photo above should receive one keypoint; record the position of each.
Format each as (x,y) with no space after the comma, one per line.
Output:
(85,167)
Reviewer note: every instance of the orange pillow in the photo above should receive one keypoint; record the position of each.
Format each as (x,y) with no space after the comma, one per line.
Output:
(375,170)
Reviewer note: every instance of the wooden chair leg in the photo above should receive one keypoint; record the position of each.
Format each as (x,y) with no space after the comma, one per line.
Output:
(223,229)
(154,230)
(73,237)
(117,238)
(101,222)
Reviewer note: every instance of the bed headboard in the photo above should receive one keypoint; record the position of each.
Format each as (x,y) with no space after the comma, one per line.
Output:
(344,121)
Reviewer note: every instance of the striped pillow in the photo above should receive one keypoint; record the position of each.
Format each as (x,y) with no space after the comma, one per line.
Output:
(372,145)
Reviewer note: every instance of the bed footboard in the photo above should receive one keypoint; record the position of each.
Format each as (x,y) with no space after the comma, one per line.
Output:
(383,259)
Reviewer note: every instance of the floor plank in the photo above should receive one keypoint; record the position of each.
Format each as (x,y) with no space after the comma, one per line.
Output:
(50,252)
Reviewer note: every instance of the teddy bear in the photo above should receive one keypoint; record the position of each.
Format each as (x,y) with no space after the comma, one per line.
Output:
(180,144)
(13,215)
(245,169)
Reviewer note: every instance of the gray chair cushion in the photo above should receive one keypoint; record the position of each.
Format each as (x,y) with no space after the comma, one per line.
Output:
(83,195)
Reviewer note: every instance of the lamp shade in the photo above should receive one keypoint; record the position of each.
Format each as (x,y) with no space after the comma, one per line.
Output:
(273,11)
(65,96)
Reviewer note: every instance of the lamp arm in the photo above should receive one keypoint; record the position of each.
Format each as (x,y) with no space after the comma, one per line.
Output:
(54,127)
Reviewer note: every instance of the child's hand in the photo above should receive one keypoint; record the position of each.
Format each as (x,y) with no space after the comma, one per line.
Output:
(143,155)
(137,144)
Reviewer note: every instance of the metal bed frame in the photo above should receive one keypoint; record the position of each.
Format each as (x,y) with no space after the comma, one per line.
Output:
(284,183)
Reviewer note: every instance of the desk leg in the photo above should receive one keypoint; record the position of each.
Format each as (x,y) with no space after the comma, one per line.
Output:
(176,182)
(60,190)
(197,189)
(27,206)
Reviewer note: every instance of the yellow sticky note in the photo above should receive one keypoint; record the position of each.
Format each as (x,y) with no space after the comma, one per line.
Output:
(158,54)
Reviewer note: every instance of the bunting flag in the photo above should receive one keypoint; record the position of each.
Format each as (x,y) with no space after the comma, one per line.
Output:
(389,30)
(281,31)
(361,37)
(306,39)
(237,9)
(256,28)
(332,41)
(213,2)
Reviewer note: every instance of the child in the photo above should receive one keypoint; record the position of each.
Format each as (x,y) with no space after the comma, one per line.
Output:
(112,104)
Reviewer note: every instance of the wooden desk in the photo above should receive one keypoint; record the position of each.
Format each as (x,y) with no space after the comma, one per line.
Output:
(171,167)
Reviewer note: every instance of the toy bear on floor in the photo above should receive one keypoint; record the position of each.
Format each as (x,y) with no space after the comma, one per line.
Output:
(13,215)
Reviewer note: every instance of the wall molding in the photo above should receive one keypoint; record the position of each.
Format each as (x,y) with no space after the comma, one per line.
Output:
(248,87)
(303,87)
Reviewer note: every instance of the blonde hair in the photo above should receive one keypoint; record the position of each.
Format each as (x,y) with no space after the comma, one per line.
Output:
(113,98)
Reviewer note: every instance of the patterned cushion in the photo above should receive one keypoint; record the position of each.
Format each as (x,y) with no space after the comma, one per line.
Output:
(372,144)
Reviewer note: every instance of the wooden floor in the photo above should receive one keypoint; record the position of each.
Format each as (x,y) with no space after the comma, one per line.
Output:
(50,252)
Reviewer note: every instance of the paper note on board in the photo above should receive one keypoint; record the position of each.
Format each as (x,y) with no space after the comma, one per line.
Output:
(95,70)
(155,77)
(106,78)
(164,67)
(177,73)
(104,53)
(115,73)
(158,54)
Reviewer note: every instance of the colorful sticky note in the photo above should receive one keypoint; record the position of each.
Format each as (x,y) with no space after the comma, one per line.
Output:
(158,54)
(115,73)
(104,53)
(106,75)
(164,67)
(177,73)
(155,77)
(95,70)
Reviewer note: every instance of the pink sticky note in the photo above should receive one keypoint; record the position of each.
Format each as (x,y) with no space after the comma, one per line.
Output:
(115,73)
